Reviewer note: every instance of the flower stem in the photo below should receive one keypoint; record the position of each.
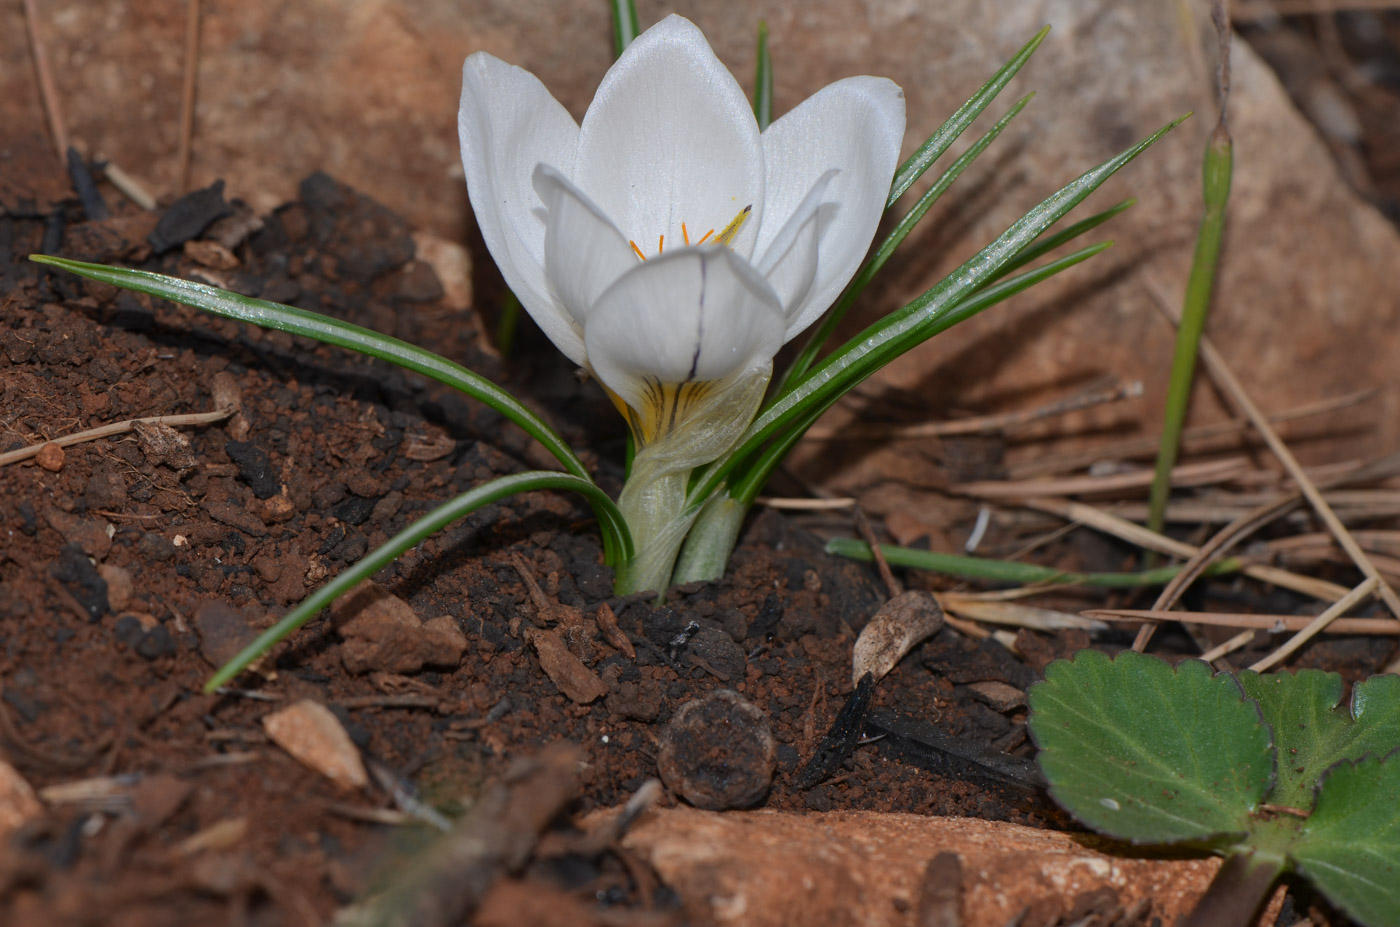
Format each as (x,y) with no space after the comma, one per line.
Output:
(1237,892)
(654,511)
(711,541)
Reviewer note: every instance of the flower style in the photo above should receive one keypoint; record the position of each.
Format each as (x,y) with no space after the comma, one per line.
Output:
(665,244)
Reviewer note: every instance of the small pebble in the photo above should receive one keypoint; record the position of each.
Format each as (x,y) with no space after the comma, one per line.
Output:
(222,630)
(50,457)
(313,736)
(718,752)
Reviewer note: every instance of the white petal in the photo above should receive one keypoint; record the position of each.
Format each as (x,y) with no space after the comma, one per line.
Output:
(584,253)
(670,139)
(698,315)
(508,123)
(855,125)
(790,262)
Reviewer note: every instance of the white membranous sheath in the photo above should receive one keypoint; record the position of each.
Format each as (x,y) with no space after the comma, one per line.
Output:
(669,247)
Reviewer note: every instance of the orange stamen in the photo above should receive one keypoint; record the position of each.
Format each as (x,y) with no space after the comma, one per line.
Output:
(636,249)
(684,234)
(661,245)
(707,235)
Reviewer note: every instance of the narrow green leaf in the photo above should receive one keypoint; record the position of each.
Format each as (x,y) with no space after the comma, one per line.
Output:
(625,28)
(772,437)
(942,305)
(1011,572)
(763,80)
(1312,733)
(937,143)
(1215,181)
(1149,753)
(877,260)
(1045,244)
(1350,847)
(616,540)
(330,331)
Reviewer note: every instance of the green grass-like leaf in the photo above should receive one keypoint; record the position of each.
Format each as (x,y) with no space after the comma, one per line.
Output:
(1149,753)
(937,143)
(763,80)
(1215,182)
(625,27)
(1311,733)
(945,303)
(803,362)
(1008,571)
(330,331)
(616,539)
(1350,848)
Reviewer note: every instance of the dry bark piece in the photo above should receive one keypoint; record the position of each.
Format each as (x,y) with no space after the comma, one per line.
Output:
(383,633)
(899,625)
(718,752)
(607,623)
(565,670)
(18,803)
(314,737)
(999,695)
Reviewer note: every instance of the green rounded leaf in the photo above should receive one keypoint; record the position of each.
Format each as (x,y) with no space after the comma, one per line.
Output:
(1311,734)
(1350,848)
(1145,752)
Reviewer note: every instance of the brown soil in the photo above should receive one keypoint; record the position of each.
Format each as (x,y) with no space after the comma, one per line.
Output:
(128,563)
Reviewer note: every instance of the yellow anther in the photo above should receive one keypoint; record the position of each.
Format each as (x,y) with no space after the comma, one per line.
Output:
(723,238)
(732,229)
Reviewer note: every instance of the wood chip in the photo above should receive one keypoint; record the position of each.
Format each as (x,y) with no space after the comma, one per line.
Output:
(565,670)
(18,804)
(899,625)
(999,695)
(313,736)
(607,623)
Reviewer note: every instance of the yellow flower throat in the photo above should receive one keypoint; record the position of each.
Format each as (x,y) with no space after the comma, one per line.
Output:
(664,404)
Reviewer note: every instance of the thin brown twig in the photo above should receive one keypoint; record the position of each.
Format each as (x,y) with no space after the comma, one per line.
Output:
(1220,372)
(981,424)
(1369,585)
(1136,534)
(1386,627)
(48,93)
(1223,539)
(116,428)
(1197,439)
(804,505)
(868,533)
(1192,474)
(187,91)
(1230,646)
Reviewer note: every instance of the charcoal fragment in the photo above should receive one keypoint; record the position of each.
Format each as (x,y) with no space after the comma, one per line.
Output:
(188,216)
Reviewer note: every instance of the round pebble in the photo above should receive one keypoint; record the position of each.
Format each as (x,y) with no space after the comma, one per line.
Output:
(718,752)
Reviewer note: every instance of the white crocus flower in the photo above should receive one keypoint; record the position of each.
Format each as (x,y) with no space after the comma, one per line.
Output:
(669,247)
